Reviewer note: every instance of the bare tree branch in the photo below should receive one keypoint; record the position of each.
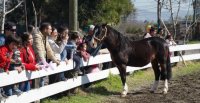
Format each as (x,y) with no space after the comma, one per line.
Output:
(14,7)
(35,13)
(179,5)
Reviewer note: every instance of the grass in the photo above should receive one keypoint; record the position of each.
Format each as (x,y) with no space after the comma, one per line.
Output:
(194,42)
(99,92)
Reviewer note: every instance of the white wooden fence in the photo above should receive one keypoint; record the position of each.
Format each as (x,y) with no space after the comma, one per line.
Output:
(46,91)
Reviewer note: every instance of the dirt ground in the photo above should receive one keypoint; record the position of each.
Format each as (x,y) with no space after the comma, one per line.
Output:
(184,89)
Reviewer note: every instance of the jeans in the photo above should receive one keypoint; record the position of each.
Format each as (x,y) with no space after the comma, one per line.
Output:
(11,90)
(25,86)
(63,57)
(42,82)
(78,62)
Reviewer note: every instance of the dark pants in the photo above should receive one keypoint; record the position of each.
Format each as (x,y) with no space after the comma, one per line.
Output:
(11,89)
(78,62)
(25,86)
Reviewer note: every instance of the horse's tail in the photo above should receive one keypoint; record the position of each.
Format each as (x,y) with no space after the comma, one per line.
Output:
(168,66)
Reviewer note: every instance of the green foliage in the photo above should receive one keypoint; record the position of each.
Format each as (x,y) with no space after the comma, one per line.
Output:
(193,42)
(57,11)
(108,11)
(133,30)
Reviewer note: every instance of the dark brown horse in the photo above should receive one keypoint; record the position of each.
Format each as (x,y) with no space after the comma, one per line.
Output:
(126,52)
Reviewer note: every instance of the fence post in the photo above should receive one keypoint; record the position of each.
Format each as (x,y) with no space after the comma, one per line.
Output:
(37,85)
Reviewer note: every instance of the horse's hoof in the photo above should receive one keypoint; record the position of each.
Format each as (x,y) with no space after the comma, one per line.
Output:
(123,95)
(151,91)
(165,91)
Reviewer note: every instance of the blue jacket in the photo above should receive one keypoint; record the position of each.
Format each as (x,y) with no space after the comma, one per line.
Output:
(2,39)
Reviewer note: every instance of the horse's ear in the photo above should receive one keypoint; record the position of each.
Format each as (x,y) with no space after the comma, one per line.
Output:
(104,25)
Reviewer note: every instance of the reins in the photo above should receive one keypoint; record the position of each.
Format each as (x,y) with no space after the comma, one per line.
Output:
(102,37)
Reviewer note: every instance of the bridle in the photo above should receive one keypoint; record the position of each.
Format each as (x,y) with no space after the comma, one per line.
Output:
(100,39)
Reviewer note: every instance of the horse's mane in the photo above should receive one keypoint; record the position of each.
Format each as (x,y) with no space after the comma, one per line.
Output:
(123,39)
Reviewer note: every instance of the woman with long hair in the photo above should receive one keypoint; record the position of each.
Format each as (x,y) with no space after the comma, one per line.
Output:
(28,58)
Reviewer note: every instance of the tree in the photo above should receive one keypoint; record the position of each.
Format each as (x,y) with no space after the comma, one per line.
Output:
(109,11)
(57,11)
(7,8)
(170,4)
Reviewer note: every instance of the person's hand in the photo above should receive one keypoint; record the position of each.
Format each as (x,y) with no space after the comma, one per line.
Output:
(66,61)
(57,62)
(7,71)
(23,67)
(19,69)
(12,61)
(70,60)
(46,65)
(37,67)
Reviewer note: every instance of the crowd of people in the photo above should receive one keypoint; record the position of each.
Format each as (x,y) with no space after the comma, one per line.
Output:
(160,33)
(35,49)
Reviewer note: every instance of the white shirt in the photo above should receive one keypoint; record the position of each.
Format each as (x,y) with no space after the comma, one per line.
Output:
(170,42)
(147,35)
(57,49)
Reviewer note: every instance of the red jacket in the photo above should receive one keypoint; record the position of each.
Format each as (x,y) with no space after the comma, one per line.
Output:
(28,58)
(5,57)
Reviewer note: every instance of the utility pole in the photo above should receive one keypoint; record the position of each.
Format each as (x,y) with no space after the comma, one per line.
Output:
(158,13)
(73,15)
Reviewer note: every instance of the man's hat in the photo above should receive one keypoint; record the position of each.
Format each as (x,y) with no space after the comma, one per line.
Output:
(9,26)
(91,27)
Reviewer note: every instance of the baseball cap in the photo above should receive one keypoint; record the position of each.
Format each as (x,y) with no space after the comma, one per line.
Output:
(91,27)
(10,26)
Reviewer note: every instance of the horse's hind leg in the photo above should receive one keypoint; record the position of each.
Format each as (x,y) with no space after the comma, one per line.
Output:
(122,71)
(164,77)
(157,75)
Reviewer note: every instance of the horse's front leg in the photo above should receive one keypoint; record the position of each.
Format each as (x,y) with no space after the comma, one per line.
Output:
(122,71)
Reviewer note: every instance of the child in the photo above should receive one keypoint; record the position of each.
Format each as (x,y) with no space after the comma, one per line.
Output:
(85,55)
(82,50)
(73,55)
(169,39)
(6,52)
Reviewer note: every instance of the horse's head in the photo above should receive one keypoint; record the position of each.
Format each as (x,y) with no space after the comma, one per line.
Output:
(99,34)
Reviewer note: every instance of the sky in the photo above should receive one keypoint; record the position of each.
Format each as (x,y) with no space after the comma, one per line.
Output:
(147,10)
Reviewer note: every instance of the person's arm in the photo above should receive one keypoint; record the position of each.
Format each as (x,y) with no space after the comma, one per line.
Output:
(5,60)
(55,47)
(27,65)
(38,46)
(68,46)
(173,42)
(71,50)
(50,54)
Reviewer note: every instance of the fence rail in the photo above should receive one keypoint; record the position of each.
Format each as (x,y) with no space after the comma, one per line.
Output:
(46,91)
